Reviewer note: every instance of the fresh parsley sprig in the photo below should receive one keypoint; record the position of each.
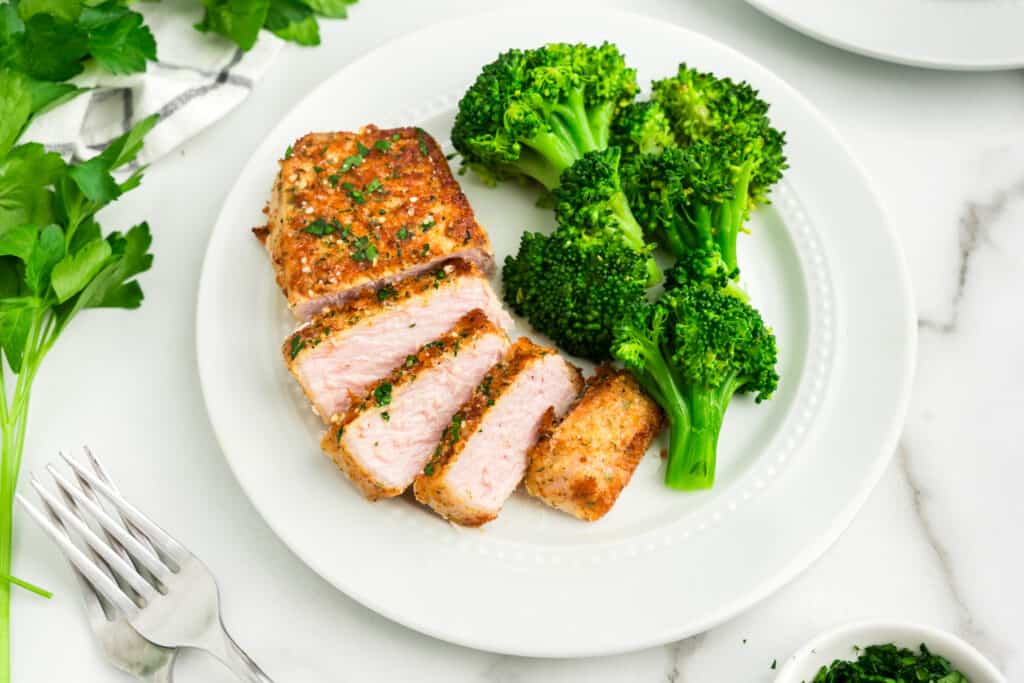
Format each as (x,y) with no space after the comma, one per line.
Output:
(55,262)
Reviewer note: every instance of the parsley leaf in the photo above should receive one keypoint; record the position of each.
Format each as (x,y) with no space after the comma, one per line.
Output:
(294,21)
(239,20)
(118,39)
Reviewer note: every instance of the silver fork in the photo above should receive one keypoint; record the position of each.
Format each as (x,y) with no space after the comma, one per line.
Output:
(177,605)
(122,644)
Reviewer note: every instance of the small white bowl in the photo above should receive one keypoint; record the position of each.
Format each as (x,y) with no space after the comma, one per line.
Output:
(838,643)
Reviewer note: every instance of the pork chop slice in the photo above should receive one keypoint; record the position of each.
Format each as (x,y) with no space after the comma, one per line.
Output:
(350,211)
(344,349)
(582,461)
(483,451)
(384,440)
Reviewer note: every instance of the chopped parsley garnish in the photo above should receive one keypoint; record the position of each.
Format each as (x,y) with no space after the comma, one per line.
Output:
(364,151)
(410,361)
(322,228)
(374,185)
(403,233)
(318,169)
(386,292)
(420,133)
(891,663)
(382,394)
(455,348)
(351,162)
(436,344)
(381,145)
(429,469)
(456,428)
(426,249)
(439,275)
(333,179)
(341,430)
(396,137)
(355,194)
(385,416)
(288,152)
(485,385)
(428,224)
(362,250)
(297,345)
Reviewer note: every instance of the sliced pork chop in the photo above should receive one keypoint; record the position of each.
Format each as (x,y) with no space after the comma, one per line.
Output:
(384,441)
(482,455)
(352,211)
(344,349)
(582,461)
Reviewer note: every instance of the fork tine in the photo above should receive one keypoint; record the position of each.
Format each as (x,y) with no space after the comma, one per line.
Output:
(94,603)
(134,549)
(75,508)
(160,539)
(101,472)
(102,583)
(117,565)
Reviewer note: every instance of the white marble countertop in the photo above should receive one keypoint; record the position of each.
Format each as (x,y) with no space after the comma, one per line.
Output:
(940,540)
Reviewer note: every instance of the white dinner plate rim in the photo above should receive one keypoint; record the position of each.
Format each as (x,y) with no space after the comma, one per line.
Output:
(801,561)
(907,56)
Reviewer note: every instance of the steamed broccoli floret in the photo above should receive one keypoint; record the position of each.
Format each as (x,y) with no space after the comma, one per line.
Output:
(691,351)
(701,106)
(589,202)
(575,289)
(704,266)
(535,112)
(691,199)
(642,128)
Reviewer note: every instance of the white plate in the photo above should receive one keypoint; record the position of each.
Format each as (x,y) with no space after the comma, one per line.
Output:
(822,265)
(839,643)
(940,34)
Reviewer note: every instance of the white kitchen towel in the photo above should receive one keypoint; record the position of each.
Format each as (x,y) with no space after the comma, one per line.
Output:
(197,79)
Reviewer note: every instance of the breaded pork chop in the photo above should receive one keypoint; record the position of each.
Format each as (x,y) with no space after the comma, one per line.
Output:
(351,211)
(384,440)
(482,455)
(344,349)
(582,461)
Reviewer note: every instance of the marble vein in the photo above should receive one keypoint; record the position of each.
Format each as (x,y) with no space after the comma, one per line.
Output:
(677,653)
(967,626)
(974,225)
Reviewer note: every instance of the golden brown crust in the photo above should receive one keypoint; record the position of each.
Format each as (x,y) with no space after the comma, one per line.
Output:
(582,462)
(371,303)
(367,484)
(470,327)
(431,487)
(348,209)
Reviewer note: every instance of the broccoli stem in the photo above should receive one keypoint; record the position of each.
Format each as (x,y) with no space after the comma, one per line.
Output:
(633,234)
(733,213)
(691,458)
(551,154)
(693,466)
(574,114)
(600,120)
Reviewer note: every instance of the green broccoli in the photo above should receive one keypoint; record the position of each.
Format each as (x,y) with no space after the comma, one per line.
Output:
(704,266)
(701,106)
(691,351)
(534,112)
(589,202)
(574,289)
(642,128)
(691,198)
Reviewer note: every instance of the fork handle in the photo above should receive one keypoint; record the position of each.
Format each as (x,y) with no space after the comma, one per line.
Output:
(227,651)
